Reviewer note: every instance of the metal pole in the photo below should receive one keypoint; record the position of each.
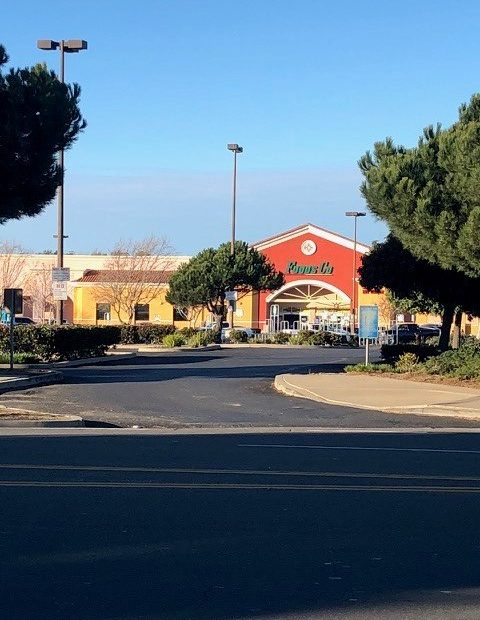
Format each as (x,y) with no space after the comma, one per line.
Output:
(366,351)
(354,305)
(60,227)
(232,242)
(12,319)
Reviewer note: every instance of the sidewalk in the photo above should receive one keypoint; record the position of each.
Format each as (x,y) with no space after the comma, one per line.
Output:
(383,394)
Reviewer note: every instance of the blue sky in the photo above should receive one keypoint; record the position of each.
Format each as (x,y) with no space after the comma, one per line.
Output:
(305,87)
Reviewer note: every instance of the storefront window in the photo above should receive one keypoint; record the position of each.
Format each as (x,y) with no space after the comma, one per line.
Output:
(103,312)
(142,312)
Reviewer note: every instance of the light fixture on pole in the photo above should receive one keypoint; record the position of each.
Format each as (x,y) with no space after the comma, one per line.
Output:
(70,46)
(355,215)
(235,150)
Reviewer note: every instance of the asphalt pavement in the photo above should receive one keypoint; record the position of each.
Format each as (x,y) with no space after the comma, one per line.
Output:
(248,526)
(225,388)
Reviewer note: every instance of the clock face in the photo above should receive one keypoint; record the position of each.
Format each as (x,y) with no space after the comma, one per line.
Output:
(308,247)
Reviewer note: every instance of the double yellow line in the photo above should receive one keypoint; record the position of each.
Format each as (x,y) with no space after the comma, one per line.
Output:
(424,488)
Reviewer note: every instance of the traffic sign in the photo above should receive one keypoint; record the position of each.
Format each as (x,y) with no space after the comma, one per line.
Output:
(368,322)
(61,274)
(59,290)
(230,295)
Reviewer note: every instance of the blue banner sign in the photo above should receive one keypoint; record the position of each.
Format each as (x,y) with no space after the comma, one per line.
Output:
(368,322)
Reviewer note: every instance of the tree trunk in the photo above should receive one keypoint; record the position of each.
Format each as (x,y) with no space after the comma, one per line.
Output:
(456,330)
(447,319)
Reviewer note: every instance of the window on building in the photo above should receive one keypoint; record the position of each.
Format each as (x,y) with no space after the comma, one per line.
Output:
(103,312)
(180,314)
(142,312)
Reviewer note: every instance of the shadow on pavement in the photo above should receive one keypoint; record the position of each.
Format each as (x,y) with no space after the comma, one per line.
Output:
(163,372)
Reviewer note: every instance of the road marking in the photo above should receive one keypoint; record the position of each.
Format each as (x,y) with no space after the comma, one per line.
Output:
(236,486)
(301,447)
(246,472)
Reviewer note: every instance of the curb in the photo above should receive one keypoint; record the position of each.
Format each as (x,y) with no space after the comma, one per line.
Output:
(85,361)
(45,377)
(151,348)
(282,385)
(63,421)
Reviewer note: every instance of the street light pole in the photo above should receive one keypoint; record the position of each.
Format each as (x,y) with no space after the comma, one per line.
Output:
(69,46)
(235,149)
(355,215)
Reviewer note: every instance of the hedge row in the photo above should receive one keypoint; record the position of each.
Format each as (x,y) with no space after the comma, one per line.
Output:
(54,343)
(392,352)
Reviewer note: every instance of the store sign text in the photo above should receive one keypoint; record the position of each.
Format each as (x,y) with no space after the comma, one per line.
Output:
(324,268)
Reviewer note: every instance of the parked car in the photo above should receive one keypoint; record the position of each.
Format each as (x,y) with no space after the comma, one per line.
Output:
(406,332)
(23,320)
(429,330)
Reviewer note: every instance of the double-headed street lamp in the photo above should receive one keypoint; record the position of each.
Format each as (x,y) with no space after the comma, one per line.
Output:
(69,46)
(355,215)
(235,150)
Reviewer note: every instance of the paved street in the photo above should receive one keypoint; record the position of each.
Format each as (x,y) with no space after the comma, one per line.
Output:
(240,526)
(230,387)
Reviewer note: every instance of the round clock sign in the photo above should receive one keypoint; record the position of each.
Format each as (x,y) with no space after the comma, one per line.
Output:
(308,247)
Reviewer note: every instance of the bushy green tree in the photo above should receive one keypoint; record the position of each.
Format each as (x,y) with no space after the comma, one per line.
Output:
(429,195)
(204,280)
(38,116)
(421,286)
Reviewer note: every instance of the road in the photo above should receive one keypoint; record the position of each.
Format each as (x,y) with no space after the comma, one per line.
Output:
(230,387)
(272,527)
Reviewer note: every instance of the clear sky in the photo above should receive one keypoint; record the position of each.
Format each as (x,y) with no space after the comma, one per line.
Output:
(305,86)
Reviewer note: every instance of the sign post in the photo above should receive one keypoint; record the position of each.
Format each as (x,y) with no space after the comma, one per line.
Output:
(368,326)
(13,300)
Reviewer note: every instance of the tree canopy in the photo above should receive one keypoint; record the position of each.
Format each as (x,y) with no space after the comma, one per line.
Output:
(204,280)
(429,195)
(38,117)
(427,287)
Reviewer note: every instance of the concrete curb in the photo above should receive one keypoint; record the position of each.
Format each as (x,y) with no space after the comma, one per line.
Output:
(152,348)
(89,361)
(233,430)
(43,377)
(62,421)
(85,361)
(283,385)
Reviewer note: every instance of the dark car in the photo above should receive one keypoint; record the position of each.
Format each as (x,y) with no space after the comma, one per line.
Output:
(405,332)
(24,320)
(429,330)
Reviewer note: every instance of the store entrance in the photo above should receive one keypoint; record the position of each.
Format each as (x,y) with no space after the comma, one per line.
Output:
(290,320)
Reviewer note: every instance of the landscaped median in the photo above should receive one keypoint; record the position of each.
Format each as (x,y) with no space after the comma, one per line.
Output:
(414,379)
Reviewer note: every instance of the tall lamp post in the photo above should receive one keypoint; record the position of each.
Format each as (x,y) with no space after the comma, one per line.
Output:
(355,215)
(235,150)
(69,46)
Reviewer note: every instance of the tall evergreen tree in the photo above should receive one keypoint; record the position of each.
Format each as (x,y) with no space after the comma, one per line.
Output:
(429,288)
(38,116)
(429,195)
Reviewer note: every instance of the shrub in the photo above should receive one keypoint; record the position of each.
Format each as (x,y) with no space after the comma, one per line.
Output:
(54,343)
(173,340)
(237,335)
(144,334)
(280,338)
(199,339)
(19,358)
(188,332)
(407,362)
(369,368)
(462,363)
(392,352)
